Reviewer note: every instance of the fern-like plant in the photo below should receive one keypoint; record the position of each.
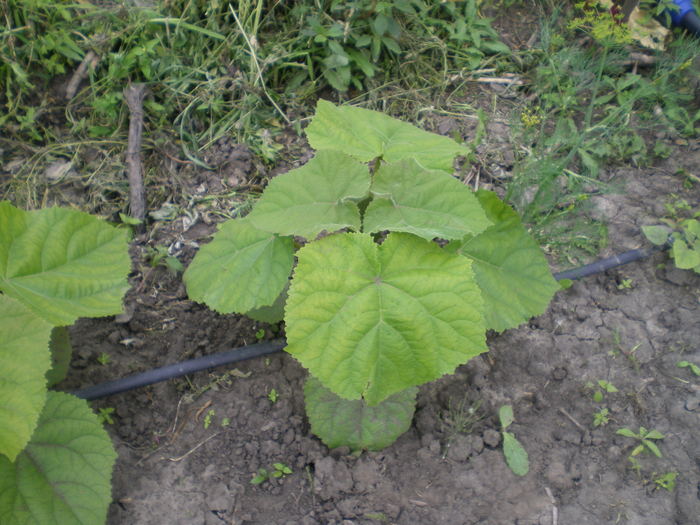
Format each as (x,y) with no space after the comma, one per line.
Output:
(55,458)
(375,306)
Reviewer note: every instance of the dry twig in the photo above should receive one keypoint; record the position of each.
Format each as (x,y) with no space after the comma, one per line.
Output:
(134,95)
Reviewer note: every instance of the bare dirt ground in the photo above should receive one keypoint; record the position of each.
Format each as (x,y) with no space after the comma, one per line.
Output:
(448,468)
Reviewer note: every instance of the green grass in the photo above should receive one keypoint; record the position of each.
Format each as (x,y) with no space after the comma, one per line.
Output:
(252,70)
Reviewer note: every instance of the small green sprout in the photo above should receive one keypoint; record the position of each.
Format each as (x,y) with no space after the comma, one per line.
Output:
(273,396)
(225,421)
(667,481)
(695,369)
(625,284)
(105,415)
(601,418)
(159,256)
(516,456)
(104,358)
(645,438)
(606,386)
(260,334)
(278,470)
(207,417)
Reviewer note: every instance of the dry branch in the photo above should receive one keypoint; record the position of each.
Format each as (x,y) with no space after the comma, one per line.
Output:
(134,95)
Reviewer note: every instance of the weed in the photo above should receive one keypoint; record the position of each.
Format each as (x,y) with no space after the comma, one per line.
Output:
(104,359)
(278,470)
(666,481)
(604,386)
(260,334)
(588,112)
(619,348)
(516,456)
(601,417)
(625,284)
(646,440)
(160,256)
(225,422)
(207,418)
(273,396)
(695,369)
(105,415)
(217,382)
(461,417)
(682,230)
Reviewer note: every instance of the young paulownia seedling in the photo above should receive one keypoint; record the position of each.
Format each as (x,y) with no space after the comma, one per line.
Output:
(375,306)
(516,456)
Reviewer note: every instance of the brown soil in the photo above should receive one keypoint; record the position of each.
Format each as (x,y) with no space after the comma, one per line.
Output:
(173,468)
(188,448)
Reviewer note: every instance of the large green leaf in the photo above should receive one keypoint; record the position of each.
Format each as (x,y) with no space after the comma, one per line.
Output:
(367,134)
(63,476)
(62,263)
(61,351)
(242,268)
(511,270)
(273,313)
(321,195)
(352,423)
(370,320)
(429,204)
(24,360)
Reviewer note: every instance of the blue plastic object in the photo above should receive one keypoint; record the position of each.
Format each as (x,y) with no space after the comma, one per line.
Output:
(684,7)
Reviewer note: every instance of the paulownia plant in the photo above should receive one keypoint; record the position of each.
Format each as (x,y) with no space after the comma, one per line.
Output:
(55,458)
(375,306)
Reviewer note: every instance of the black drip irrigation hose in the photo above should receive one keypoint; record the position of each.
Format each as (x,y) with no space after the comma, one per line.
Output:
(270,347)
(180,369)
(603,265)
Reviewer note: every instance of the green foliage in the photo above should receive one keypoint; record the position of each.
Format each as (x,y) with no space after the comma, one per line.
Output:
(159,256)
(373,313)
(695,369)
(219,68)
(63,474)
(666,481)
(260,262)
(347,43)
(273,396)
(645,438)
(601,417)
(589,112)
(354,423)
(509,266)
(387,316)
(278,470)
(682,233)
(603,386)
(516,456)
(55,458)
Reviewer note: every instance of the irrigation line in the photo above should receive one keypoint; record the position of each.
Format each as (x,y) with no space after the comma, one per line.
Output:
(270,347)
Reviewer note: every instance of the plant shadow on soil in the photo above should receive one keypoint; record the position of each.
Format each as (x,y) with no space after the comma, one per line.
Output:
(188,448)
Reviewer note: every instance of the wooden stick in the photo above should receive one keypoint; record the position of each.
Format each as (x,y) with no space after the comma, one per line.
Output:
(90,61)
(134,95)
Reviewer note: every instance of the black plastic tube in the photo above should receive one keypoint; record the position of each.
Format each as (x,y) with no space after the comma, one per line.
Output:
(603,265)
(270,347)
(180,369)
